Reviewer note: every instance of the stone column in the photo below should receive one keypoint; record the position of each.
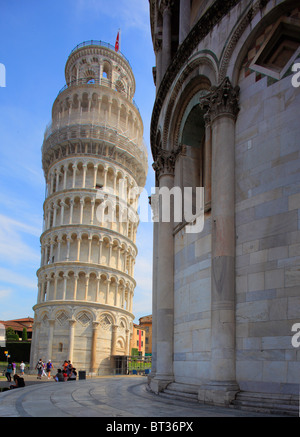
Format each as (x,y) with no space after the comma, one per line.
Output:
(167,35)
(107,290)
(50,338)
(155,218)
(94,347)
(69,239)
(184,19)
(62,211)
(71,211)
(90,239)
(98,287)
(51,183)
(55,286)
(122,296)
(74,176)
(164,167)
(59,241)
(105,178)
(78,248)
(48,218)
(39,296)
(127,342)
(84,175)
(86,288)
(114,334)
(55,207)
(207,165)
(95,176)
(76,276)
(81,211)
(92,210)
(131,293)
(223,110)
(57,180)
(71,339)
(34,352)
(65,287)
(47,290)
(65,178)
(100,252)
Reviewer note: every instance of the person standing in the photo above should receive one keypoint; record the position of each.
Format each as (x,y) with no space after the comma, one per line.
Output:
(14,367)
(49,366)
(22,368)
(44,368)
(9,372)
(39,368)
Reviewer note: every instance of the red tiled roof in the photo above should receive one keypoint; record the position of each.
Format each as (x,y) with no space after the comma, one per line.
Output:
(146,319)
(19,324)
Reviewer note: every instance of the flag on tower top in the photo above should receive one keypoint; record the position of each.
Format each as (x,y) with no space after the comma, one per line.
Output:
(117,44)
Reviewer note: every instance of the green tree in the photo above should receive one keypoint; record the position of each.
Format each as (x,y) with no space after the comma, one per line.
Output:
(24,334)
(11,335)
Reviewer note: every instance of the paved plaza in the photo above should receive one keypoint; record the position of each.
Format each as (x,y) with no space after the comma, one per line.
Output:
(115,397)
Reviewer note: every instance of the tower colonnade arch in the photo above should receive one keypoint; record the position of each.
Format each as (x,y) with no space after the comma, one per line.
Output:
(86,284)
(88,246)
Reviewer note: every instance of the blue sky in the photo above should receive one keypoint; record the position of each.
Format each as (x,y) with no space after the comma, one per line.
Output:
(36,40)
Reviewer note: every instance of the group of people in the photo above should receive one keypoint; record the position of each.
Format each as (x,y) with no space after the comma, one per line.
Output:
(11,369)
(44,369)
(18,380)
(67,373)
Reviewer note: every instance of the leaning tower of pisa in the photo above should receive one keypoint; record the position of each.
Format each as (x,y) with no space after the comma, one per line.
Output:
(93,158)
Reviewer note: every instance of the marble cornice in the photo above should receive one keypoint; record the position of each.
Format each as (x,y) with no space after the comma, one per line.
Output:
(85,267)
(84,229)
(96,306)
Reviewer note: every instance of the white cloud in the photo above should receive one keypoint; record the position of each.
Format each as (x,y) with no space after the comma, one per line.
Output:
(13,249)
(10,277)
(7,224)
(5,293)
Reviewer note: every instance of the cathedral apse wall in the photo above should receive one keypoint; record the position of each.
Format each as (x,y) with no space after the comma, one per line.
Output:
(225,118)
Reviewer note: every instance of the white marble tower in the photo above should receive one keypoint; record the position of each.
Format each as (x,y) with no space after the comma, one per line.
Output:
(93,159)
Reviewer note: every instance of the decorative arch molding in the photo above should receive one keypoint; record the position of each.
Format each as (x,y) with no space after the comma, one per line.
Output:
(124,321)
(84,316)
(62,316)
(106,320)
(202,68)
(199,88)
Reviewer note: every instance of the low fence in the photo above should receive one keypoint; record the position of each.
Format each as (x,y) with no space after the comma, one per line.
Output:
(135,365)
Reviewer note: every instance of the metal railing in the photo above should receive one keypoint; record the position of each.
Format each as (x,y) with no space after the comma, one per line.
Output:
(56,134)
(98,43)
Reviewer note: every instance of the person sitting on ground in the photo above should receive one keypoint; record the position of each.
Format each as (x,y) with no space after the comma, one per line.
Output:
(69,368)
(19,382)
(72,375)
(59,376)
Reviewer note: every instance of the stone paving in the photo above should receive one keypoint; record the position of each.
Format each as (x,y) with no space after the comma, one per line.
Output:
(115,397)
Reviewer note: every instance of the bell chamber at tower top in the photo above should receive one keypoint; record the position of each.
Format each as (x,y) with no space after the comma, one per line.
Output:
(96,105)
